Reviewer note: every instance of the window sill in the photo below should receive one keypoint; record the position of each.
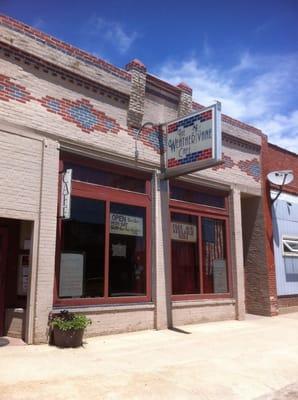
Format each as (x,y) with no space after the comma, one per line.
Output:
(106,308)
(201,303)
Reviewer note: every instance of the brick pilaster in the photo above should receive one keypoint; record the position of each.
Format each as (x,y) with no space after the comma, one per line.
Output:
(185,102)
(161,275)
(47,240)
(237,253)
(137,94)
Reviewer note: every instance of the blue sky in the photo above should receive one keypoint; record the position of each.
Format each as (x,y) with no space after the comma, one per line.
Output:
(243,53)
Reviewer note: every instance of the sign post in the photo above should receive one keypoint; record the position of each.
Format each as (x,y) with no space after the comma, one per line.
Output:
(194,142)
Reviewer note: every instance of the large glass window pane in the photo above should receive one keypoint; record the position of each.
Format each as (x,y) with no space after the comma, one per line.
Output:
(193,196)
(185,259)
(83,249)
(127,267)
(214,256)
(106,178)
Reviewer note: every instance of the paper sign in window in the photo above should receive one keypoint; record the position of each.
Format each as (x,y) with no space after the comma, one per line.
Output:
(121,224)
(220,276)
(183,232)
(71,275)
(118,250)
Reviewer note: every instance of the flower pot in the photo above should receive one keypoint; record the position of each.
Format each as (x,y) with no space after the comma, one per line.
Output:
(68,338)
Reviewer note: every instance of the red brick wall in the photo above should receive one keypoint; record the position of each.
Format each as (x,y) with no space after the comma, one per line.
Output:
(275,158)
(288,301)
(280,159)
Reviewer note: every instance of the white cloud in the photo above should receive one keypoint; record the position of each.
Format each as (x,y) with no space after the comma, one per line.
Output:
(282,130)
(113,33)
(259,90)
(39,23)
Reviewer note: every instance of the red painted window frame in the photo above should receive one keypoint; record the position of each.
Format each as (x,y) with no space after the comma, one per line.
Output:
(109,195)
(179,206)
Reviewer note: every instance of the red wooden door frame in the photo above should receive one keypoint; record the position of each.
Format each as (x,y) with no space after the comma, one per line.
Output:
(3,261)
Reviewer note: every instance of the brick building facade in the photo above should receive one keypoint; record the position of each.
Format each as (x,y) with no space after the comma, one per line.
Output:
(278,159)
(62,108)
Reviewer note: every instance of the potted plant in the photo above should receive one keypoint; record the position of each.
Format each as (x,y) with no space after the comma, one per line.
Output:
(68,328)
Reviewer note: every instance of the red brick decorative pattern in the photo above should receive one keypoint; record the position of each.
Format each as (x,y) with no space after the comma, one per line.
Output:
(152,137)
(10,90)
(89,119)
(227,163)
(250,167)
(82,114)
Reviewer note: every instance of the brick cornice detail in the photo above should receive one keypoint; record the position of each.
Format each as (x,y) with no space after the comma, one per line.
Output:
(64,74)
(185,88)
(57,44)
(136,65)
(229,120)
(229,139)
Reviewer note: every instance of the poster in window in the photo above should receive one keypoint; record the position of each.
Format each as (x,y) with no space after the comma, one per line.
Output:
(71,275)
(220,276)
(119,250)
(122,224)
(183,232)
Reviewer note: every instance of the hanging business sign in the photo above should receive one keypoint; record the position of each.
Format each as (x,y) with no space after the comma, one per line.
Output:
(122,224)
(66,194)
(194,142)
(183,232)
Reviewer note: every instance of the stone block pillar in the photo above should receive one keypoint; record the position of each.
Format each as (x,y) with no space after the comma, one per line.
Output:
(137,94)
(185,102)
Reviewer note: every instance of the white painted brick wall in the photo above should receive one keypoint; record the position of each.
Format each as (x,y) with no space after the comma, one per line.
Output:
(20,166)
(47,240)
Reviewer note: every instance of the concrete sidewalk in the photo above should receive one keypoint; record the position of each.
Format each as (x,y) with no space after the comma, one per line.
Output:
(222,360)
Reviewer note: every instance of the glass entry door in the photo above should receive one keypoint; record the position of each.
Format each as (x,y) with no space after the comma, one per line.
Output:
(185,255)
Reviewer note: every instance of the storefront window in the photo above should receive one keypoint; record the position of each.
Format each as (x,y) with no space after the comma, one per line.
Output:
(103,247)
(186,248)
(185,260)
(198,242)
(127,272)
(83,250)
(82,262)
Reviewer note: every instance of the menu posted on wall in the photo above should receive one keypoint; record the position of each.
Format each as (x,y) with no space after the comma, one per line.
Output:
(220,276)
(122,224)
(71,275)
(184,232)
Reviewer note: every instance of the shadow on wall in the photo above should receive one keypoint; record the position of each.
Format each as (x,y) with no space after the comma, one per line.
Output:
(249,211)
